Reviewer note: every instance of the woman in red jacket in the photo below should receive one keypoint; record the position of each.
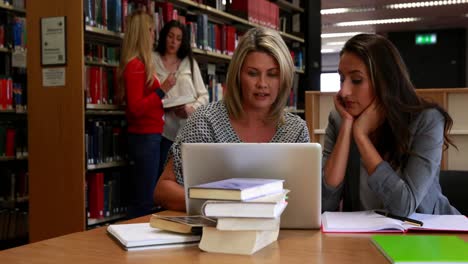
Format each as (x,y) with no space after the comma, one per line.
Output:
(144,94)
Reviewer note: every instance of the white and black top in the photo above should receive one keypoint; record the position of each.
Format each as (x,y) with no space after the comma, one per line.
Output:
(210,124)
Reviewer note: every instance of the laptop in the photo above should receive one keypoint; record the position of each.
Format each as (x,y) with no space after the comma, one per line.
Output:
(299,164)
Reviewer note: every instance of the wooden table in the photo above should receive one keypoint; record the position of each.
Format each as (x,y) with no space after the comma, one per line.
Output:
(293,246)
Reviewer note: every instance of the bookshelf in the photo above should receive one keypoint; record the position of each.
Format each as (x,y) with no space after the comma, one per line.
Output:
(319,105)
(13,127)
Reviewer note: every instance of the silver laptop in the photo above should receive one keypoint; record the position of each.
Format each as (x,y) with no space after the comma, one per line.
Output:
(299,164)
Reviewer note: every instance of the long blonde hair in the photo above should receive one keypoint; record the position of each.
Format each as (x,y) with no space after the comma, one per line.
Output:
(137,44)
(270,42)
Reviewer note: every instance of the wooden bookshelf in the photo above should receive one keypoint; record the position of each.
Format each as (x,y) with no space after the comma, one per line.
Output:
(102,63)
(229,17)
(104,32)
(105,112)
(56,128)
(95,221)
(319,105)
(103,107)
(3,5)
(107,165)
(289,7)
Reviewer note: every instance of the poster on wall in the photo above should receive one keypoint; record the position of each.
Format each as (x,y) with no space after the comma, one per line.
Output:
(53,41)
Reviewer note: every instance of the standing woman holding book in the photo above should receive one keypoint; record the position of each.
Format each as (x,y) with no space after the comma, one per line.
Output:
(259,81)
(173,56)
(383,143)
(143,94)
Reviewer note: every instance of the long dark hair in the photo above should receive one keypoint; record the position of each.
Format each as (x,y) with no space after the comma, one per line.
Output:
(395,94)
(185,49)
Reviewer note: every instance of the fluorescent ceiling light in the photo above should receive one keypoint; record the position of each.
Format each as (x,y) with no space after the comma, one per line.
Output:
(334,11)
(377,22)
(339,35)
(329,50)
(425,4)
(335,43)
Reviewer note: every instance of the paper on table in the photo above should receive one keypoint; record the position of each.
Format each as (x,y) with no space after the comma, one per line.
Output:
(176,101)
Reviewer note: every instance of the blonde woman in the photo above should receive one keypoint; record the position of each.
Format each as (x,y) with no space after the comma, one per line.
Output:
(143,94)
(259,80)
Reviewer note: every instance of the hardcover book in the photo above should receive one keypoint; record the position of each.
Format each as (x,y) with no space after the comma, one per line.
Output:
(247,223)
(214,208)
(236,242)
(422,248)
(371,222)
(181,224)
(237,189)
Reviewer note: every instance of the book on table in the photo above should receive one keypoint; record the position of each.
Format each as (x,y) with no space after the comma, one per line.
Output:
(422,248)
(236,242)
(371,222)
(143,236)
(268,206)
(217,209)
(247,223)
(181,224)
(237,189)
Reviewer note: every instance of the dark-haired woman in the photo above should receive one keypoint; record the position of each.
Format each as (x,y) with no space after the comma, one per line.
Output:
(383,143)
(173,56)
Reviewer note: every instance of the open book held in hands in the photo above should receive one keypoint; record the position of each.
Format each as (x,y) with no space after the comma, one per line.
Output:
(371,222)
(143,236)
(236,189)
(181,224)
(177,101)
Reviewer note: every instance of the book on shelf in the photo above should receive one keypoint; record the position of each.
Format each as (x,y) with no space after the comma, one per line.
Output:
(422,248)
(236,242)
(371,222)
(237,189)
(181,224)
(143,236)
(178,101)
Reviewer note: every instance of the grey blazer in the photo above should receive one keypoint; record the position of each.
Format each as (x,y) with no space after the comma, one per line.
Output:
(415,188)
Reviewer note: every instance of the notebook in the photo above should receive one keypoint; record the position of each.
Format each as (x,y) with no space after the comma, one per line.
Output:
(370,222)
(422,248)
(298,164)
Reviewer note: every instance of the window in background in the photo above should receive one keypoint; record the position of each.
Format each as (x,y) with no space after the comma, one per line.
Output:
(329,82)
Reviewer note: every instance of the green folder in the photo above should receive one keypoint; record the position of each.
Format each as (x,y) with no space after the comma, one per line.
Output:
(422,248)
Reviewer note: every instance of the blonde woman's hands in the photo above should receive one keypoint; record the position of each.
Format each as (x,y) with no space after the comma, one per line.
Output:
(169,82)
(369,120)
(340,107)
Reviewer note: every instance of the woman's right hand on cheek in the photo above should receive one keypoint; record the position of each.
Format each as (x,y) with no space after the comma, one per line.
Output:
(340,107)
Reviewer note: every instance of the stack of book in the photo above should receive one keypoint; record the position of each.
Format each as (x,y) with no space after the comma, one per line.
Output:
(247,211)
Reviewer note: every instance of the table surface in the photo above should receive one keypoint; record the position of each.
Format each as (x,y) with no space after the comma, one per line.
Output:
(292,246)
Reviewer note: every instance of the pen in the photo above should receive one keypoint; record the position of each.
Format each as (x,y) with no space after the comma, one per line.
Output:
(401,218)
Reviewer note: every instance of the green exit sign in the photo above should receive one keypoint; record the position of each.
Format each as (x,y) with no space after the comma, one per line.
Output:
(426,39)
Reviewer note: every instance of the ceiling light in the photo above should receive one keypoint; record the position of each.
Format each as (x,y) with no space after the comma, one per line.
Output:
(339,35)
(425,4)
(335,43)
(329,50)
(334,11)
(377,22)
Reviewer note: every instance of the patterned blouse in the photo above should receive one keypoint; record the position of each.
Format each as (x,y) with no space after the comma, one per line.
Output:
(210,124)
